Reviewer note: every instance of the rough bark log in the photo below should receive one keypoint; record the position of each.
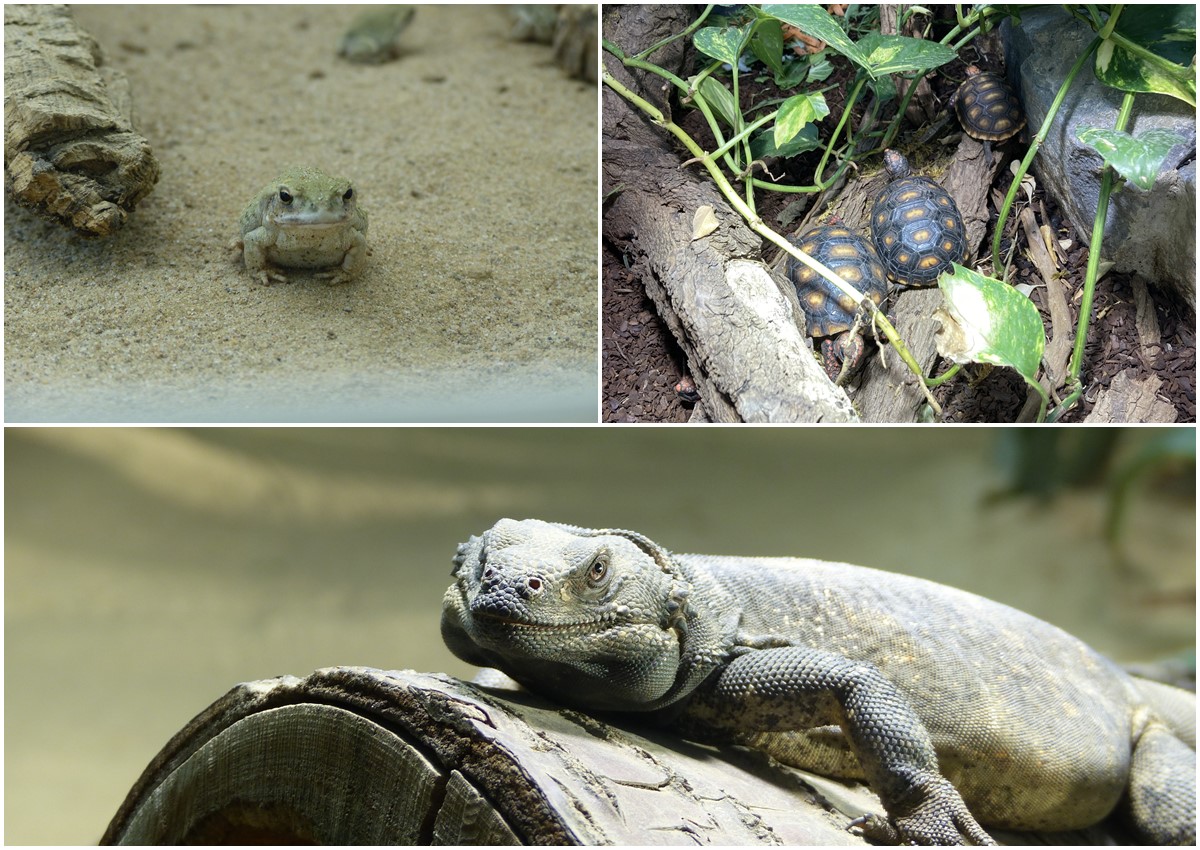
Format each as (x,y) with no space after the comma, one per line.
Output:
(353,755)
(71,153)
(741,330)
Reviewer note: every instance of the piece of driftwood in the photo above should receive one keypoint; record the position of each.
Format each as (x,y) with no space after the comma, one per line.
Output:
(71,153)
(742,332)
(1128,399)
(354,755)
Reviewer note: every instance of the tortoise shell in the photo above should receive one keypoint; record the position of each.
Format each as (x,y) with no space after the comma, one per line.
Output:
(830,311)
(988,108)
(917,229)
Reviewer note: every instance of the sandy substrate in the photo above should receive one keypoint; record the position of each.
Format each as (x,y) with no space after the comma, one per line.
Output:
(474,156)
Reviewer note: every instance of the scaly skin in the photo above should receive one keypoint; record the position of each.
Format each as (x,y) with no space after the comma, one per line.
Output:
(956,709)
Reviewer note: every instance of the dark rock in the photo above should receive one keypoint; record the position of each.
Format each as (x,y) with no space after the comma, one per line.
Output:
(1150,233)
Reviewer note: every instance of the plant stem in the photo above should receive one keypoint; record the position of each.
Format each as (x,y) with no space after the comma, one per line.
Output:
(801,190)
(1089,282)
(846,109)
(945,376)
(688,30)
(1043,131)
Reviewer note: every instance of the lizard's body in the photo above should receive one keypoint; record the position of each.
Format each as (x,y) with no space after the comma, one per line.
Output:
(842,670)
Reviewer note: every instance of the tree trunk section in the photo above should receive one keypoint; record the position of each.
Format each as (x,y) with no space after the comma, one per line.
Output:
(352,755)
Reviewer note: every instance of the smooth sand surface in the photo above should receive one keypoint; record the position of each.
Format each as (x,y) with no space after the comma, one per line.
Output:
(474,156)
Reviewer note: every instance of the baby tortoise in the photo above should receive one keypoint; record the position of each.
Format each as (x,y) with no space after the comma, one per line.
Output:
(916,226)
(987,107)
(830,311)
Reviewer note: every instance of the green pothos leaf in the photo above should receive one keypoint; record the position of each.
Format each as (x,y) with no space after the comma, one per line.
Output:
(796,113)
(987,321)
(1136,158)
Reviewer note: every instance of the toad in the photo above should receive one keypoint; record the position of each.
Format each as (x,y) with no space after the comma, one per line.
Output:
(304,219)
(374,36)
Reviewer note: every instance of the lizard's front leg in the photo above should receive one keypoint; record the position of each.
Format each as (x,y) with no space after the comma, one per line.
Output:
(794,688)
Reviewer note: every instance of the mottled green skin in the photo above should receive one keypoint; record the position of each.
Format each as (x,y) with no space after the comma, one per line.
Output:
(374,36)
(956,709)
(304,219)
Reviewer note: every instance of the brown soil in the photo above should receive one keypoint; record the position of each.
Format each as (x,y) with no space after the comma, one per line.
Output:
(640,360)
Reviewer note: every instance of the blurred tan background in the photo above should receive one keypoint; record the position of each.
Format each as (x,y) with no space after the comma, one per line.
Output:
(147,571)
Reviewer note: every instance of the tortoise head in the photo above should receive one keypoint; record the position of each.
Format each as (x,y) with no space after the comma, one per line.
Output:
(895,163)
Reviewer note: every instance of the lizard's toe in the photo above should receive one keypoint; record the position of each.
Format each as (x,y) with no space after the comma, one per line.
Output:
(935,814)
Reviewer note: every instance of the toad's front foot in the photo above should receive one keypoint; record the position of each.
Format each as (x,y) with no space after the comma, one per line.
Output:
(336,277)
(268,276)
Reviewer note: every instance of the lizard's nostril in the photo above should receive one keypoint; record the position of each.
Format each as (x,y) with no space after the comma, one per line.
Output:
(534,584)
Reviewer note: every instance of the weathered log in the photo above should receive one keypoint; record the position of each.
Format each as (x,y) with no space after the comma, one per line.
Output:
(1128,399)
(742,332)
(71,153)
(354,755)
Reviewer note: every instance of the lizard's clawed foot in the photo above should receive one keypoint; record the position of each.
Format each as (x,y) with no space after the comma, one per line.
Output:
(931,813)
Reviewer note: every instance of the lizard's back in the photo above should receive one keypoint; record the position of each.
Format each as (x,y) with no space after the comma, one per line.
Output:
(994,686)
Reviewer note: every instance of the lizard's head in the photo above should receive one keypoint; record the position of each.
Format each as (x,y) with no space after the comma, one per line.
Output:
(595,618)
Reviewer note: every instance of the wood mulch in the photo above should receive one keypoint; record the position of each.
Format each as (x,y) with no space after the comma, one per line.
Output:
(640,361)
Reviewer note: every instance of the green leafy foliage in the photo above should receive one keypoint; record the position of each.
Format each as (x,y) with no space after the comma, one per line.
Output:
(1153,50)
(898,54)
(767,46)
(795,114)
(763,145)
(877,54)
(725,44)
(815,21)
(1137,159)
(987,321)
(820,68)
(720,99)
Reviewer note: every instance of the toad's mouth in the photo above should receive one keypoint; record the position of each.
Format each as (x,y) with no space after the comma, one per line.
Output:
(311,221)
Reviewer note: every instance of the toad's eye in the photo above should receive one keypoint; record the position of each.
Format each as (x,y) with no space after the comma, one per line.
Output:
(597,570)
(349,194)
(285,196)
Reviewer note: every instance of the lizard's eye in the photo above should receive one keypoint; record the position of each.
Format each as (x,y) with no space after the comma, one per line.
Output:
(597,569)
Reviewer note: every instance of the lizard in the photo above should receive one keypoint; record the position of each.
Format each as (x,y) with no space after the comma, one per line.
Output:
(956,710)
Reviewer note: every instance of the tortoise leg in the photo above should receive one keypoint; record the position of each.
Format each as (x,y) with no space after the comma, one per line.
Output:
(842,354)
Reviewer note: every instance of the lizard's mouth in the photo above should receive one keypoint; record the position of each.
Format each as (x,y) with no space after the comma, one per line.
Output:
(511,623)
